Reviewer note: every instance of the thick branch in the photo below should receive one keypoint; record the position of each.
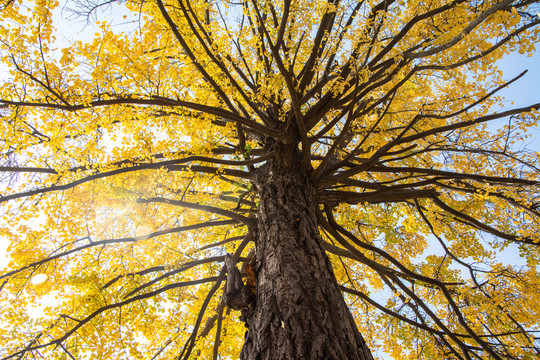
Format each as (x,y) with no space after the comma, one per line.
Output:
(374,197)
(481,226)
(81,323)
(121,240)
(155,101)
(244,220)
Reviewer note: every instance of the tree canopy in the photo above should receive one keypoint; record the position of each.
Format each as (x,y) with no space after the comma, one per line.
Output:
(130,164)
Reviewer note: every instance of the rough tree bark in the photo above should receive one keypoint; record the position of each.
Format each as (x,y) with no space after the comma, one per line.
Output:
(300,312)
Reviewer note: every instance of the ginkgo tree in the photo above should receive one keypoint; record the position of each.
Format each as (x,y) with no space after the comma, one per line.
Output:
(307,179)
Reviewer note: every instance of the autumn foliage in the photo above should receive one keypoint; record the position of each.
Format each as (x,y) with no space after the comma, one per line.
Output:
(133,160)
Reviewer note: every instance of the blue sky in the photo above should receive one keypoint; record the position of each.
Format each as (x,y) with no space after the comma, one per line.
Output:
(526,91)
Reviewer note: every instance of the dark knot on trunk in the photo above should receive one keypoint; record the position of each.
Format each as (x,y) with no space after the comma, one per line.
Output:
(238,296)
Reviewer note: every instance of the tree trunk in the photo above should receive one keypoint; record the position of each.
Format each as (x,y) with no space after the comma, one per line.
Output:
(300,312)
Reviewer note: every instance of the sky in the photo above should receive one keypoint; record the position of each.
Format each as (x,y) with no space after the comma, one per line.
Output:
(526,91)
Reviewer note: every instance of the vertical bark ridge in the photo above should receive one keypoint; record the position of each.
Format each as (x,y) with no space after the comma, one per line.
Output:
(300,312)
